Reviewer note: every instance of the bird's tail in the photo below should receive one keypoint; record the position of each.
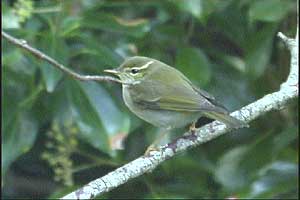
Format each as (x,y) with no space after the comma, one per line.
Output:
(227,119)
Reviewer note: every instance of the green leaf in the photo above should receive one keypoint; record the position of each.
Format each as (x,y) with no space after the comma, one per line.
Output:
(277,178)
(228,172)
(113,120)
(19,127)
(97,116)
(194,64)
(270,11)
(55,47)
(258,51)
(17,62)
(70,26)
(282,140)
(226,89)
(96,55)
(235,62)
(238,166)
(198,8)
(231,22)
(104,21)
(192,6)
(183,173)
(8,18)
(18,137)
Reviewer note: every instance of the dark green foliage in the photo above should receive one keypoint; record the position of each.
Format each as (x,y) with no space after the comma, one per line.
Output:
(228,48)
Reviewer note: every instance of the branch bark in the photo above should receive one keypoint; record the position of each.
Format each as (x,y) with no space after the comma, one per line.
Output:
(24,45)
(274,101)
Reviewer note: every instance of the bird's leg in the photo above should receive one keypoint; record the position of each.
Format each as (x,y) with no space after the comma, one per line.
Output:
(193,128)
(153,146)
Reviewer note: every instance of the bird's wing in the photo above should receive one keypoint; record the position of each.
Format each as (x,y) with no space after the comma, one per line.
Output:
(176,94)
(182,101)
(209,97)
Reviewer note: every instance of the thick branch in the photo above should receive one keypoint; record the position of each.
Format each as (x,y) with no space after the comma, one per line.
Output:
(273,101)
(23,44)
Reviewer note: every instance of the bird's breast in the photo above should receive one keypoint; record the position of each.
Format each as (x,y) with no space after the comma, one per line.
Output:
(159,118)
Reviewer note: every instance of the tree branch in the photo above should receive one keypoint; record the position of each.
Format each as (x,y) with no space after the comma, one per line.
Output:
(23,44)
(274,101)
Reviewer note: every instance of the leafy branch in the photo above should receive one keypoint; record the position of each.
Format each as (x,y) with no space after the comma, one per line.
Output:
(141,165)
(24,45)
(274,101)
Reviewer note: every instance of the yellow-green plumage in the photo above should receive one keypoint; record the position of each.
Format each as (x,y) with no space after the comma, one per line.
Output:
(164,97)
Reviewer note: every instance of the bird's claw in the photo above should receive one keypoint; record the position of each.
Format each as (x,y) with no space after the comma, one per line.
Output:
(150,149)
(193,128)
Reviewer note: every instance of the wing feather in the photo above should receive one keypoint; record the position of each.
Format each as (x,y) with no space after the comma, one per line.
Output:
(174,92)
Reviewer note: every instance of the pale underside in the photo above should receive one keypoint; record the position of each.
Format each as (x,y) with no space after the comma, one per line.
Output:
(168,101)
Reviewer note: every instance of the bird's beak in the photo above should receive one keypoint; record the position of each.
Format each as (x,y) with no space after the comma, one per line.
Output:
(112,71)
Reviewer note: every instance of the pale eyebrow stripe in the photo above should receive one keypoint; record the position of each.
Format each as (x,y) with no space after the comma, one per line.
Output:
(145,65)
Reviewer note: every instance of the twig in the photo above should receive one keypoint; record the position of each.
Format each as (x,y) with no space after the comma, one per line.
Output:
(141,165)
(23,44)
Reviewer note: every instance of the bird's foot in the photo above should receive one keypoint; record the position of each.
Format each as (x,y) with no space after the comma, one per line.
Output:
(193,128)
(152,147)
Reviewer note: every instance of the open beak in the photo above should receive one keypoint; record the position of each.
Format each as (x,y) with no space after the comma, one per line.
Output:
(111,71)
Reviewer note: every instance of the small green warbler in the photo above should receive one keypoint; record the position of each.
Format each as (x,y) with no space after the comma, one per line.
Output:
(164,97)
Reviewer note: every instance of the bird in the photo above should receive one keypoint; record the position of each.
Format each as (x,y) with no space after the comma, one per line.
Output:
(164,97)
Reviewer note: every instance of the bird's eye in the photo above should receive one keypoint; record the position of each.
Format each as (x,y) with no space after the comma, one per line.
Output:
(134,71)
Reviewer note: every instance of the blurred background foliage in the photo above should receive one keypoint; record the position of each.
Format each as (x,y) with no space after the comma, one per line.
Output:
(59,133)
